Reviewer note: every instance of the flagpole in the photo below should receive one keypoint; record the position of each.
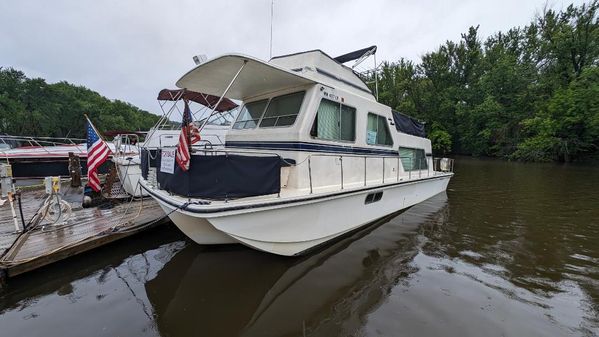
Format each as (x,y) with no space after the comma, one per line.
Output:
(186,109)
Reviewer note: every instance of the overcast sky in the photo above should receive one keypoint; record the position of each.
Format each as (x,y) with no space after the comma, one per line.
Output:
(130,49)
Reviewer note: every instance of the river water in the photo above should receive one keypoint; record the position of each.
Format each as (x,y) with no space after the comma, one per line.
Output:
(510,250)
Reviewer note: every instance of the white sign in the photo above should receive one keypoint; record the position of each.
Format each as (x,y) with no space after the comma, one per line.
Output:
(167,161)
(371,137)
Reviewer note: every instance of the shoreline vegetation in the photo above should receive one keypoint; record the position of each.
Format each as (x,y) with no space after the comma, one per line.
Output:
(32,107)
(528,94)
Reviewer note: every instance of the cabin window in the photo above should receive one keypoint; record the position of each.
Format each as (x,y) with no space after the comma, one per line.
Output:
(283,110)
(377,131)
(413,159)
(334,121)
(250,115)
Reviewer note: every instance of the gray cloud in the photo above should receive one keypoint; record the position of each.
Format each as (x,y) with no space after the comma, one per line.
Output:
(129,50)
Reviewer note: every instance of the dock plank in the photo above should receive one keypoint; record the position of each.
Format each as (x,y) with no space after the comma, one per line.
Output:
(86,229)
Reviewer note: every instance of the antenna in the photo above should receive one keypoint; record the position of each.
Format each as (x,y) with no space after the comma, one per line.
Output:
(376,79)
(272,10)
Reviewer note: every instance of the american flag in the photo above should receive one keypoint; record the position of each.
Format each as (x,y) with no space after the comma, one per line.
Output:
(97,153)
(189,135)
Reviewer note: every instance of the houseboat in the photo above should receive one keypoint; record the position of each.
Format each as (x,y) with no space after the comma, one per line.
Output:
(311,156)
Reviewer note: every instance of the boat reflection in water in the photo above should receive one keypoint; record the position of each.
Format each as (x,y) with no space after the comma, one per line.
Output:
(237,291)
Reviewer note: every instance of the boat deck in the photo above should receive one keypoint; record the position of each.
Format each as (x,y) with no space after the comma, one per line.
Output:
(86,229)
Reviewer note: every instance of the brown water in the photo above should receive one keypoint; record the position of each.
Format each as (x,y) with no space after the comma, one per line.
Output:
(510,250)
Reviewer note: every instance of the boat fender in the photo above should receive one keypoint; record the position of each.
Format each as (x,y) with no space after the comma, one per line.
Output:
(87,201)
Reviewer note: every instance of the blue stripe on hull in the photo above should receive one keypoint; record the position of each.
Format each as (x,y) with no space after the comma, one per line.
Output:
(309,147)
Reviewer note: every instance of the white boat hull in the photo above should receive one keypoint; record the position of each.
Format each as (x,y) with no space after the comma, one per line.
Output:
(130,173)
(197,229)
(292,228)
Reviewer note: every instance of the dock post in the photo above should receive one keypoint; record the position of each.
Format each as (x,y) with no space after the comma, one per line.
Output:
(11,200)
(74,170)
(3,277)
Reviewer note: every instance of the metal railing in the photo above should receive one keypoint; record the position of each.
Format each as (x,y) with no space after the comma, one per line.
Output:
(422,164)
(443,164)
(383,158)
(41,142)
(124,142)
(202,141)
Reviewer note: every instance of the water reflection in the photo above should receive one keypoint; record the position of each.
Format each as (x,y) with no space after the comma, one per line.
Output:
(511,250)
(243,292)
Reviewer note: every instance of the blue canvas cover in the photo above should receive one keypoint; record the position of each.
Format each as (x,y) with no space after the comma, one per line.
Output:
(220,177)
(409,125)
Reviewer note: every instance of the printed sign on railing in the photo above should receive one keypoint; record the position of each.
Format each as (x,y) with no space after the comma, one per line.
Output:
(167,161)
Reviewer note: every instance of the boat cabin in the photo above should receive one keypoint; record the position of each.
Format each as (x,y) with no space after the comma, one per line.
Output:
(318,116)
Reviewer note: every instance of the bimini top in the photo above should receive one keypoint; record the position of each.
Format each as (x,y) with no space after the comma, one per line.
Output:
(282,72)
(256,78)
(198,97)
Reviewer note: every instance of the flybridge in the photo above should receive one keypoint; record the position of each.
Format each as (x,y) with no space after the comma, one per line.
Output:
(319,66)
(254,77)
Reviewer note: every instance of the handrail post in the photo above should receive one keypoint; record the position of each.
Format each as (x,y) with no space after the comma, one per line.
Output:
(398,167)
(310,172)
(341,161)
(364,170)
(428,168)
(420,168)
(411,167)
(222,96)
(383,170)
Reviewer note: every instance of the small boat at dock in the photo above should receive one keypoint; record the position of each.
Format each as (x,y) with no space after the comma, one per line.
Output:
(38,157)
(165,133)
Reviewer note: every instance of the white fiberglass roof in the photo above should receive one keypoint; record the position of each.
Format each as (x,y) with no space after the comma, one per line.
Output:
(256,78)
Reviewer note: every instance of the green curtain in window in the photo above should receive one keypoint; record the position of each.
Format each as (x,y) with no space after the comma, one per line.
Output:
(328,120)
(407,157)
(413,159)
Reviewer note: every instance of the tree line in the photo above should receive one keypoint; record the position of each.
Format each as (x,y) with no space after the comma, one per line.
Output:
(531,93)
(32,107)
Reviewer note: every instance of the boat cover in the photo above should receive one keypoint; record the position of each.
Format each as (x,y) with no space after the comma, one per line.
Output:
(148,159)
(409,125)
(354,55)
(221,177)
(198,97)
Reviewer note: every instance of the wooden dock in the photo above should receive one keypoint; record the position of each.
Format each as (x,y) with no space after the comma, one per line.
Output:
(87,228)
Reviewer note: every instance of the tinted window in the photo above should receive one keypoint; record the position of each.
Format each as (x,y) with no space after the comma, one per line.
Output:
(283,110)
(250,115)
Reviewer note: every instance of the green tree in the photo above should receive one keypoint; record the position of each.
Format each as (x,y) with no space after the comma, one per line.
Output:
(32,107)
(527,94)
